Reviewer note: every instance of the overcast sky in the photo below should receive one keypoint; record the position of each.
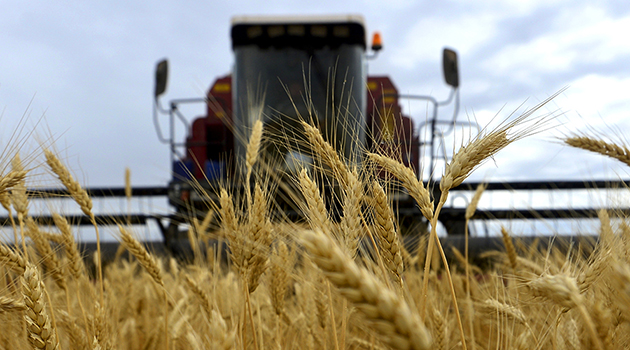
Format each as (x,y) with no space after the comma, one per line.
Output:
(88,68)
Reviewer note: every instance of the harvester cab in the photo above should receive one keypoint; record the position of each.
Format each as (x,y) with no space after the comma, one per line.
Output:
(287,70)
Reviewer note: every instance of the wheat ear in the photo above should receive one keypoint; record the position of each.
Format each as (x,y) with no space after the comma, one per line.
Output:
(260,237)
(352,212)
(146,260)
(12,260)
(510,250)
(563,290)
(439,329)
(19,199)
(621,153)
(315,207)
(11,179)
(49,257)
(150,265)
(203,297)
(41,333)
(84,201)
(327,152)
(10,305)
(386,233)
(390,315)
(251,155)
(279,277)
(409,180)
(76,266)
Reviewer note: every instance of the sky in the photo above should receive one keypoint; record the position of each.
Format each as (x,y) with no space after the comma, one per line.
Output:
(79,74)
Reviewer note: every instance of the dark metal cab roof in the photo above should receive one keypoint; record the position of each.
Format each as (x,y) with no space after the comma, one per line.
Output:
(298,31)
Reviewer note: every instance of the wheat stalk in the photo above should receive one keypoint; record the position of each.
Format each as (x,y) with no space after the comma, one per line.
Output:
(390,315)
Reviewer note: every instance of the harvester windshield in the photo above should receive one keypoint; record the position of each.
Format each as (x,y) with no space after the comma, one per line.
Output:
(287,71)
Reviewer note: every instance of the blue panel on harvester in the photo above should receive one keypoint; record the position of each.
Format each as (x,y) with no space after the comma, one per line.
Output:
(182,170)
(214,170)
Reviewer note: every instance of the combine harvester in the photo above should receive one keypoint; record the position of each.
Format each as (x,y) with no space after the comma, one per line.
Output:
(288,69)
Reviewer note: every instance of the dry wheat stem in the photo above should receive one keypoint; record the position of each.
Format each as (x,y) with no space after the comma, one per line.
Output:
(434,239)
(390,315)
(470,211)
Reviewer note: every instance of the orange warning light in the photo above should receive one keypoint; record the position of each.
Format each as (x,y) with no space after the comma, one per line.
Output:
(377,43)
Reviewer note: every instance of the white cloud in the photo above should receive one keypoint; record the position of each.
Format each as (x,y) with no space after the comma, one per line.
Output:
(426,38)
(580,36)
(600,100)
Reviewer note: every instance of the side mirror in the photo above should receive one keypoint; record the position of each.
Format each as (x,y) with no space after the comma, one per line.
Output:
(449,62)
(161,77)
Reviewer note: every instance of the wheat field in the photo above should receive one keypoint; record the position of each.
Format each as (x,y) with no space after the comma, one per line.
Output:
(315,284)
